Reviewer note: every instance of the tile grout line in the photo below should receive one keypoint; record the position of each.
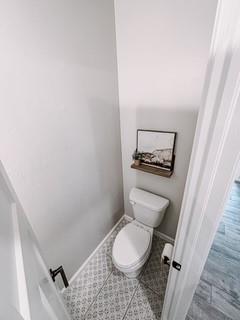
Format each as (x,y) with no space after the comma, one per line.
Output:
(130,301)
(109,255)
(95,298)
(147,286)
(141,275)
(211,288)
(222,312)
(222,290)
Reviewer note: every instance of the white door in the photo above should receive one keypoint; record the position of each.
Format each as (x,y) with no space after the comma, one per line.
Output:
(9,312)
(26,288)
(214,164)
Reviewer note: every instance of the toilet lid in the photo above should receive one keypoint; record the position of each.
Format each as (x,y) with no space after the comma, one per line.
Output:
(130,245)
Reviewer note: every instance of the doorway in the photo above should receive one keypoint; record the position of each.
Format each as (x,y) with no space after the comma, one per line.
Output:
(218,292)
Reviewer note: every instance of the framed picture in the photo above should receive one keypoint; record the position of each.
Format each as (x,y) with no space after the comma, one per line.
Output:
(156,148)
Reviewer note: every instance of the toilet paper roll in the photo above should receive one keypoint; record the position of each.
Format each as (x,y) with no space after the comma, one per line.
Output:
(167,252)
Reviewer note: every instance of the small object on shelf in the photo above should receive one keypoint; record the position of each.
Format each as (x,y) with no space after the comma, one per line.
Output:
(137,162)
(136,158)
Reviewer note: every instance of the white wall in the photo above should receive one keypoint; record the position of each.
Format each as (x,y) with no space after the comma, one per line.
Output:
(162,49)
(59,121)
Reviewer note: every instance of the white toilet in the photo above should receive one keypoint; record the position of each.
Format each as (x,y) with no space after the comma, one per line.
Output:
(133,243)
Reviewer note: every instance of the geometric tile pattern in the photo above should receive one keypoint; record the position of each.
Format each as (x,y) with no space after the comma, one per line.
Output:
(146,304)
(218,293)
(102,292)
(82,291)
(114,297)
(107,246)
(156,273)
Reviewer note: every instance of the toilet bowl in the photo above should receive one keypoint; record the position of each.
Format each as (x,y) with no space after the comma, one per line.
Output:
(132,246)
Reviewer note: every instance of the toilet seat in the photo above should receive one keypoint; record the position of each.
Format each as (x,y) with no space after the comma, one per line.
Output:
(131,247)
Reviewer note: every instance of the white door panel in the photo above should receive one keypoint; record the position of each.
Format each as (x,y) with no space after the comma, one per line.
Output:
(9,312)
(26,281)
(7,251)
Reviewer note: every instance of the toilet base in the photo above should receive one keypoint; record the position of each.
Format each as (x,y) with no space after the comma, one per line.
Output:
(133,274)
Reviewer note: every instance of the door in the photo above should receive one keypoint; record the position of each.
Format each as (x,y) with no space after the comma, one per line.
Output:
(214,163)
(9,312)
(27,290)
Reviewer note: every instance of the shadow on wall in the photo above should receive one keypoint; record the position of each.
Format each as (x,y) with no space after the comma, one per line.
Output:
(108,158)
(100,174)
(183,121)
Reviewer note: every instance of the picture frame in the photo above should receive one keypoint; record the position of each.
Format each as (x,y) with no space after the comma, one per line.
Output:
(157,148)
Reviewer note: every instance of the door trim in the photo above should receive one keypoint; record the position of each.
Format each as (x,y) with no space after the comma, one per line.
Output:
(217,118)
(21,279)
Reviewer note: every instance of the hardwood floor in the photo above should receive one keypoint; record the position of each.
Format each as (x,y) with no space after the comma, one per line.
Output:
(218,293)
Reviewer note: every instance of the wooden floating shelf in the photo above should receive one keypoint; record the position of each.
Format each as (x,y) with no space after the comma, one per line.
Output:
(152,170)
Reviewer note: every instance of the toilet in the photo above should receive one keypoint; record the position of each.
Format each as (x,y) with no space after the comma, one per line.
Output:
(132,246)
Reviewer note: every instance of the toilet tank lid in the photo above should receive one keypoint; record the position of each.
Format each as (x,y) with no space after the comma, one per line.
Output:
(148,199)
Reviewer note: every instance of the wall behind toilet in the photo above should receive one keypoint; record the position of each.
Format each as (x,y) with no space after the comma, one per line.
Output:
(162,50)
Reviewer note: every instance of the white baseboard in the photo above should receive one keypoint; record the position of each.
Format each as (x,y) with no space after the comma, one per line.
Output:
(93,253)
(164,236)
(156,232)
(128,218)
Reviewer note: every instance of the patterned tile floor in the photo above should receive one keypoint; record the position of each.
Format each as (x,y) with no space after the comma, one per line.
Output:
(102,292)
(218,294)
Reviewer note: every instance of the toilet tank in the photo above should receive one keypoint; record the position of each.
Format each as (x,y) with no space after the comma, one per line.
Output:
(148,208)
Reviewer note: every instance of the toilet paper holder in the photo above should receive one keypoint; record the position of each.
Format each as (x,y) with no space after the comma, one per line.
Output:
(167,257)
(175,264)
(166,260)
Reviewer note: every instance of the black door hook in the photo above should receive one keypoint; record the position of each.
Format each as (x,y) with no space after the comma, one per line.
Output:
(60,270)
